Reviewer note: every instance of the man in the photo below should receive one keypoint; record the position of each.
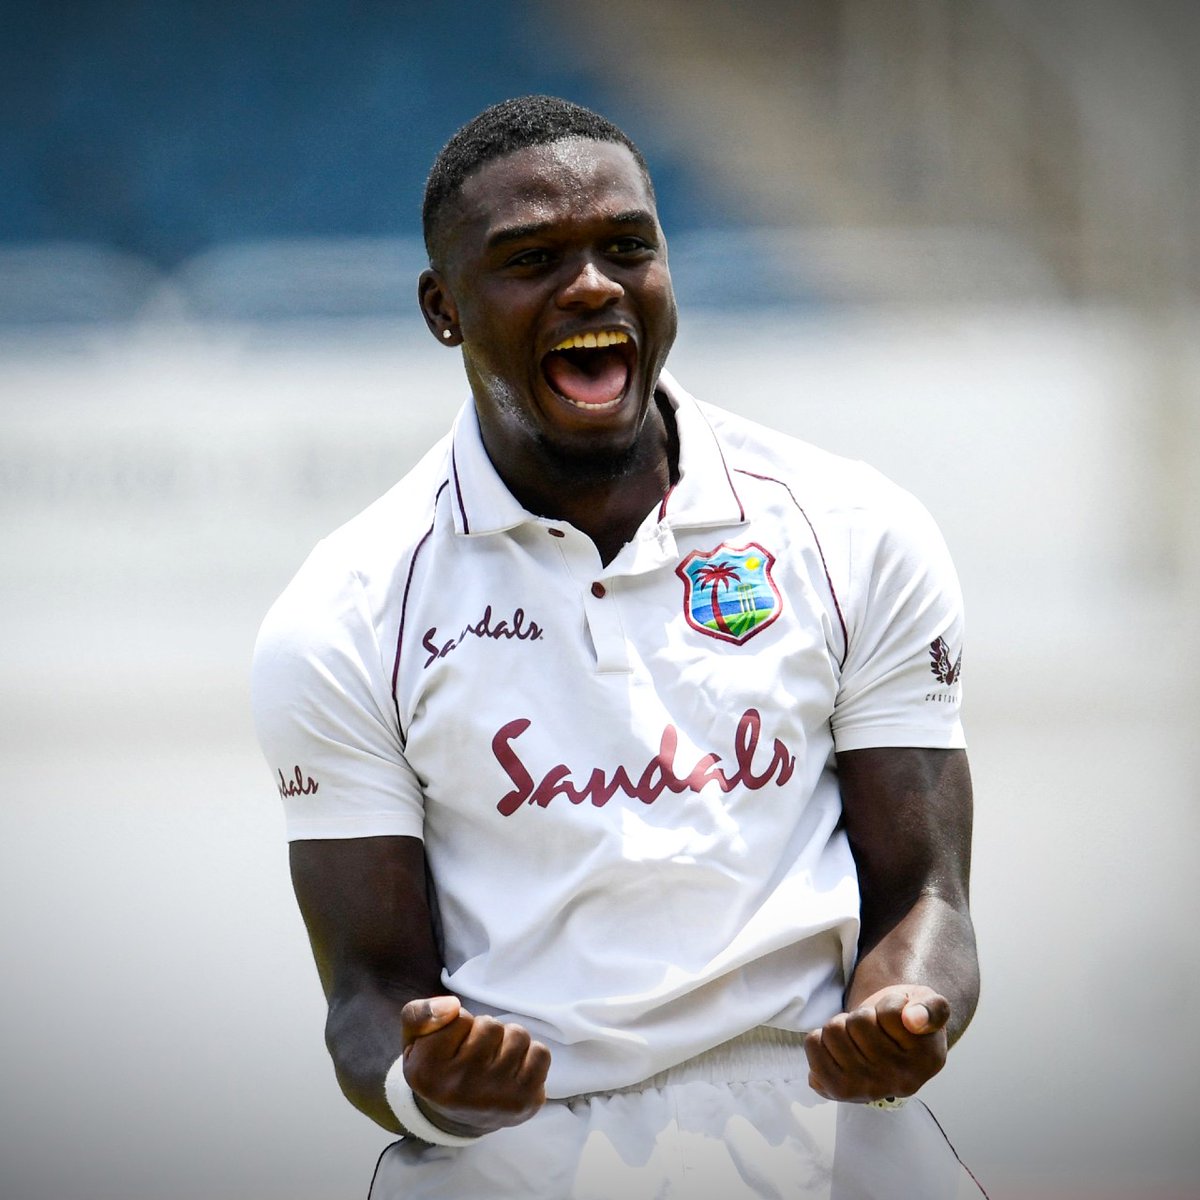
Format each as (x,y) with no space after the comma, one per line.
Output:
(619,746)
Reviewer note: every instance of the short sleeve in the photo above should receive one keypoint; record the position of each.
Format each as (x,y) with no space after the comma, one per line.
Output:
(900,683)
(324,713)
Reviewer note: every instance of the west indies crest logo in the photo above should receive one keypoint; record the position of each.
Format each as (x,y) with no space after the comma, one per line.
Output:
(728,593)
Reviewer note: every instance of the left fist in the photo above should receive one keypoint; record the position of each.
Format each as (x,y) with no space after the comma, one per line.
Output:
(890,1045)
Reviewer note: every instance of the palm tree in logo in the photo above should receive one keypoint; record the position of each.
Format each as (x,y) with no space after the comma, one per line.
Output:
(715,576)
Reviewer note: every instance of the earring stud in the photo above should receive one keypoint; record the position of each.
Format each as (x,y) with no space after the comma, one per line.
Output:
(446,333)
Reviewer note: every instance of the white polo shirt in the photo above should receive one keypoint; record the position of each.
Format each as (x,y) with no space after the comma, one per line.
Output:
(624,775)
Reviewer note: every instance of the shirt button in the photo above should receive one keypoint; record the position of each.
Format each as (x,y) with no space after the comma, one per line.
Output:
(598,590)
(556,533)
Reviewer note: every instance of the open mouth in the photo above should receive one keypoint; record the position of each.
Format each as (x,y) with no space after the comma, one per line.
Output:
(591,370)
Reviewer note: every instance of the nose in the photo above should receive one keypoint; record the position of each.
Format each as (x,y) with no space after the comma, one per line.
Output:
(589,287)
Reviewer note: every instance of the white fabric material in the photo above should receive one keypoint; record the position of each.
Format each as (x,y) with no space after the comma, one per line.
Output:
(738,1123)
(631,816)
(403,1103)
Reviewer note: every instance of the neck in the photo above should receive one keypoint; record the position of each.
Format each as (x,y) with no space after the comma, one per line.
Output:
(611,503)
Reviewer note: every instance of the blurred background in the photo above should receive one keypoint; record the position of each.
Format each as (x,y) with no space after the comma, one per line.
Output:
(957,238)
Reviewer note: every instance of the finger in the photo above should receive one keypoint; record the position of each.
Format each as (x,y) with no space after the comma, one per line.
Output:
(825,1077)
(871,1039)
(514,1046)
(909,1011)
(431,1056)
(864,1030)
(836,1040)
(915,1018)
(816,1058)
(537,1063)
(927,1015)
(818,1081)
(483,1042)
(531,1076)
(890,1038)
(419,1018)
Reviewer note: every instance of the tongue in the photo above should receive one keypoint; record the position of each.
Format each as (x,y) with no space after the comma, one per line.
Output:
(592,377)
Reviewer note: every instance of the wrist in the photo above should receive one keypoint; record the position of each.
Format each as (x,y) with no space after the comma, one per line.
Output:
(403,1103)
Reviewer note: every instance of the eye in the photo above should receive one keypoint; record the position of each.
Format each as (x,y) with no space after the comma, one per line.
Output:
(530,259)
(629,245)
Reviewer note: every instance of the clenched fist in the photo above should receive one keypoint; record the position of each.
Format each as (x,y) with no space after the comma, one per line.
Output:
(471,1075)
(889,1045)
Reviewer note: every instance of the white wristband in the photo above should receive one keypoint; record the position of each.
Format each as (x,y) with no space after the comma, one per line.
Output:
(403,1103)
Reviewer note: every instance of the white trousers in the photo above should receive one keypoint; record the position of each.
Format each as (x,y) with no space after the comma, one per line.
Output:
(736,1123)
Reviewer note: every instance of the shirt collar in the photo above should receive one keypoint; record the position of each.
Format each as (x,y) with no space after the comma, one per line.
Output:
(481,502)
(704,495)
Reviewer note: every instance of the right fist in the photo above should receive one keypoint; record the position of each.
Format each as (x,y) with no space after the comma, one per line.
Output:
(471,1075)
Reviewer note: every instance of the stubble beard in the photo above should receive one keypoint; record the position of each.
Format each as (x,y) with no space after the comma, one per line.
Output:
(588,465)
(581,466)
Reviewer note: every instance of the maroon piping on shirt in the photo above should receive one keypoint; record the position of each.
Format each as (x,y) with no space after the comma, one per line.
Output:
(952,1149)
(462,508)
(662,508)
(412,566)
(817,542)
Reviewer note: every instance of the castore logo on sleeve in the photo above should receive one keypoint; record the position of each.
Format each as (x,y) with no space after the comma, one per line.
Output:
(944,671)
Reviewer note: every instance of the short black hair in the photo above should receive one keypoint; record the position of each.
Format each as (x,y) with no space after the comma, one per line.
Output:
(502,129)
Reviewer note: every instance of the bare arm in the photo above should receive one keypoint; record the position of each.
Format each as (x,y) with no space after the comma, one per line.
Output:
(365,905)
(908,817)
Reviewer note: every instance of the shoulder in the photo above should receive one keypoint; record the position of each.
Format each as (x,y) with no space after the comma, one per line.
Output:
(388,530)
(839,489)
(862,523)
(351,575)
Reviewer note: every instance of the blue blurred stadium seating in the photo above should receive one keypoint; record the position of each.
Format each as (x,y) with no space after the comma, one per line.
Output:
(161,128)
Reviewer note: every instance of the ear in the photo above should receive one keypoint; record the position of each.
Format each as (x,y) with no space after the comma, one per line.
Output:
(438,308)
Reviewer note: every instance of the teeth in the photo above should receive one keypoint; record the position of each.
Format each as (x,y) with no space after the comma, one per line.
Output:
(592,341)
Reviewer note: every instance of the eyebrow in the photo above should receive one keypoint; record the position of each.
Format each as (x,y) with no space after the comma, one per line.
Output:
(515,233)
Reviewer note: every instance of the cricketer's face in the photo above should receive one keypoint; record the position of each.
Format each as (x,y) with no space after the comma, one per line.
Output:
(555,270)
